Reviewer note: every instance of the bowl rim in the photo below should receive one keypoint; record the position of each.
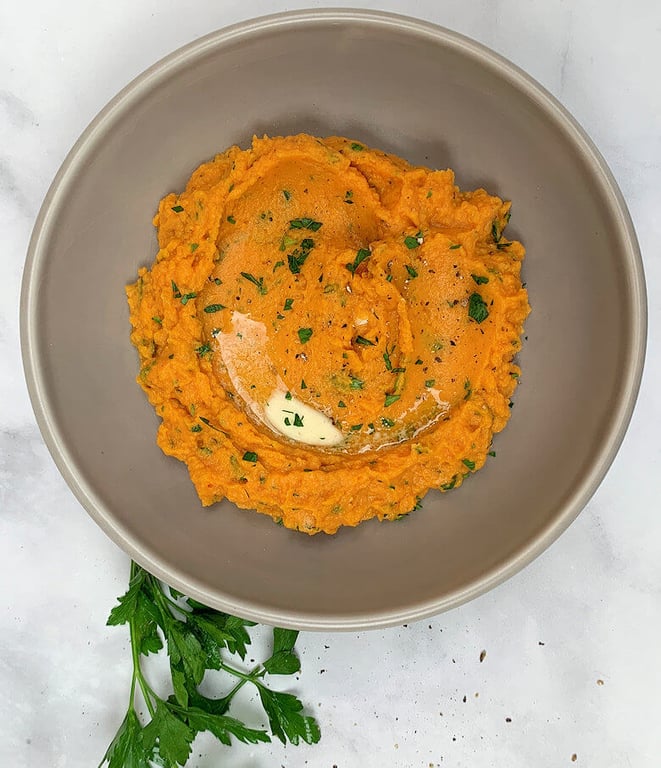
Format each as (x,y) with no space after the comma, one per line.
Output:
(584,488)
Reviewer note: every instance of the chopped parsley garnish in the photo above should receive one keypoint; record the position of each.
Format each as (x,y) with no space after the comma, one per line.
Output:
(304,335)
(187,297)
(209,424)
(203,350)
(196,428)
(258,282)
(194,247)
(287,421)
(175,291)
(286,242)
(389,278)
(361,255)
(356,383)
(480,279)
(386,359)
(387,422)
(177,208)
(305,223)
(418,362)
(470,464)
(278,264)
(297,257)
(496,232)
(411,270)
(303,384)
(356,427)
(287,194)
(492,453)
(158,320)
(390,399)
(341,404)
(357,147)
(430,383)
(467,387)
(288,396)
(211,308)
(477,308)
(250,456)
(289,303)
(231,219)
(429,193)
(298,420)
(217,281)
(347,197)
(364,342)
(412,241)
(454,247)
(449,486)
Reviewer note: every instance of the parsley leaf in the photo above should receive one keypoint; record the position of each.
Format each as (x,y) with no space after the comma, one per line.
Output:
(285,718)
(197,639)
(480,279)
(477,308)
(306,223)
(304,335)
(413,272)
(170,734)
(258,282)
(361,255)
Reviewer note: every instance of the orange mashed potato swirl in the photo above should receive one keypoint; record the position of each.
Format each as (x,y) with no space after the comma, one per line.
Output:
(328,332)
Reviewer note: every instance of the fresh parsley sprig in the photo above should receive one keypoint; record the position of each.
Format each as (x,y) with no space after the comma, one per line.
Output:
(196,638)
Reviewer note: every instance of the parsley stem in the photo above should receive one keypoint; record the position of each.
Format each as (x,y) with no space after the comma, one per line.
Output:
(137,672)
(246,677)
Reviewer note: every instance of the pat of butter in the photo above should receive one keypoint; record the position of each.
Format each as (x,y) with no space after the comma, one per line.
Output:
(299,421)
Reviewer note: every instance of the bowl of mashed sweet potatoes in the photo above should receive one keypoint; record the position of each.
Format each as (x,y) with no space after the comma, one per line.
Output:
(382,289)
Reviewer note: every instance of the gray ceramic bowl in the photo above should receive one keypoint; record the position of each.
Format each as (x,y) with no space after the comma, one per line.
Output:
(435,98)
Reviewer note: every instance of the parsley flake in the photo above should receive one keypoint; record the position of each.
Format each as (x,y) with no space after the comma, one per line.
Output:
(361,255)
(411,270)
(258,282)
(304,335)
(477,308)
(305,223)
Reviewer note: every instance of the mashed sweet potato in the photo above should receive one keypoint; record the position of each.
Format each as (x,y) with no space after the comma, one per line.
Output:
(327,332)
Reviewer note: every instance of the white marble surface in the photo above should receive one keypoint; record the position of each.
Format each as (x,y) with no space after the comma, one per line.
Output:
(588,610)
